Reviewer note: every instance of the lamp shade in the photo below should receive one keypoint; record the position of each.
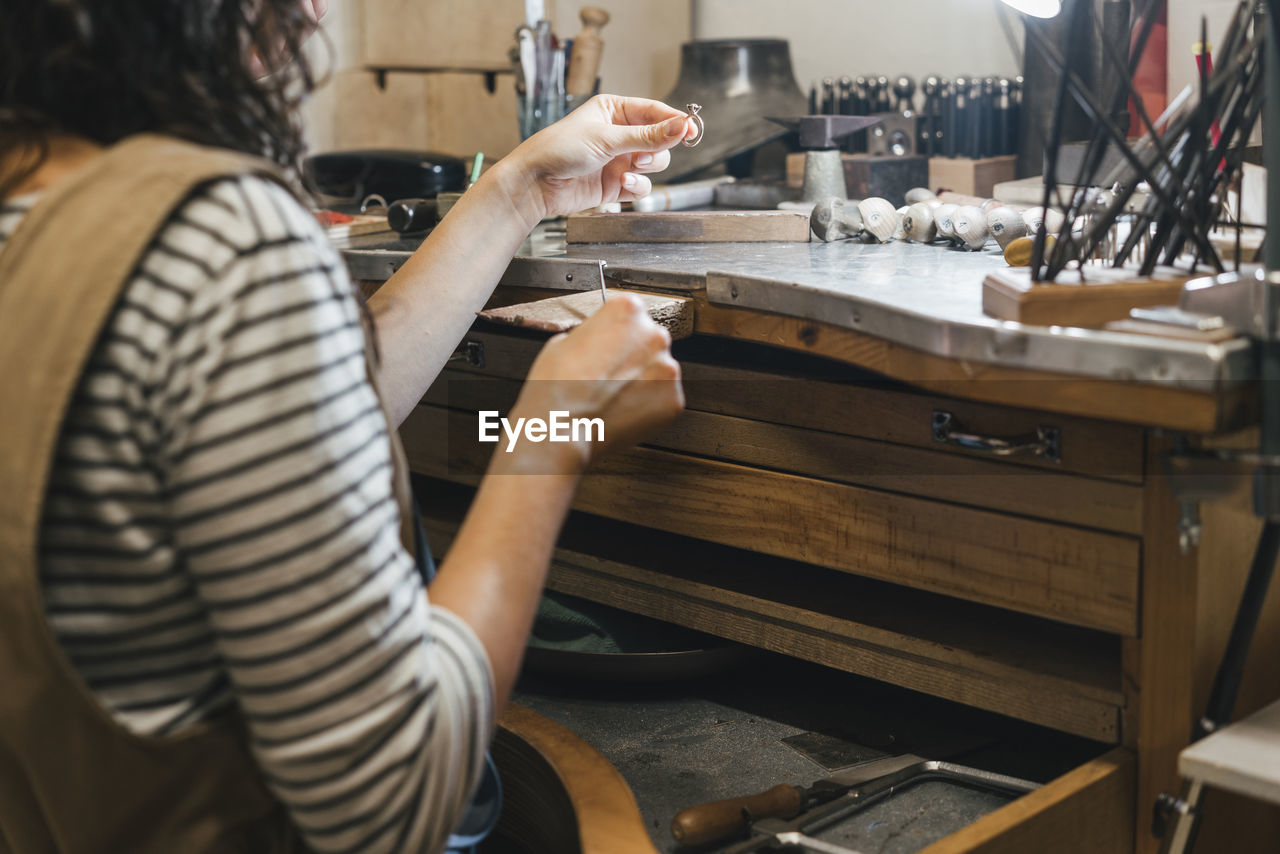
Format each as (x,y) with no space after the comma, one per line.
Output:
(1036,8)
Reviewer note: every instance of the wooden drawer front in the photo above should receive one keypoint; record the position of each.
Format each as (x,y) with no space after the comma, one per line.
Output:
(1036,670)
(1089,809)
(1108,505)
(878,411)
(1083,577)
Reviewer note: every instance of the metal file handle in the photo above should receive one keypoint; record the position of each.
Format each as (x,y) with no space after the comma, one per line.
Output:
(1045,443)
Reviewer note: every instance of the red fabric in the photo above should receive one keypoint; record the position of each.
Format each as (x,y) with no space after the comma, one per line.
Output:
(1151,78)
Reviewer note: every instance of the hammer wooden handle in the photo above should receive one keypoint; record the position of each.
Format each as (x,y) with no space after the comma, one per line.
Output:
(584,63)
(705,823)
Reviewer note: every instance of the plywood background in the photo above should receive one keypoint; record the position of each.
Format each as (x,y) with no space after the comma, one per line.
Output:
(452,112)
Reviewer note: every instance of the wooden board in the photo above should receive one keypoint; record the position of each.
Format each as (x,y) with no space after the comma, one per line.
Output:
(444,33)
(562,313)
(1073,575)
(1154,404)
(1089,809)
(1159,662)
(1036,670)
(560,793)
(1107,295)
(690,227)
(344,226)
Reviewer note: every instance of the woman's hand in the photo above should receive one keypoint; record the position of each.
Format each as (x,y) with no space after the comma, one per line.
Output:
(601,152)
(617,366)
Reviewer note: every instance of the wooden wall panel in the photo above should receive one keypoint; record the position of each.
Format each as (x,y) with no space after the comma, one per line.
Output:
(440,33)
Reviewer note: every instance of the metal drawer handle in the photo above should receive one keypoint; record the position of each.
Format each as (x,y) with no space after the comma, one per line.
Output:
(471,352)
(1045,443)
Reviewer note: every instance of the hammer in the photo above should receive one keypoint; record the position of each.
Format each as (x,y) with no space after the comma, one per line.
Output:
(832,220)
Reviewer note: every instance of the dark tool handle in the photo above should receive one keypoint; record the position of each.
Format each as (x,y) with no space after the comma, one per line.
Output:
(409,215)
(711,822)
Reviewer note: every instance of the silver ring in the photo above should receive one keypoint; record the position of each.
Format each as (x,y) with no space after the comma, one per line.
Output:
(692,110)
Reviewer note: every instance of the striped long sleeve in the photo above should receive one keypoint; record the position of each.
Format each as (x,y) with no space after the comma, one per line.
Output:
(221,531)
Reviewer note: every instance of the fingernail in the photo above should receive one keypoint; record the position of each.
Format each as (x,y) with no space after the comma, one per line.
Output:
(676,127)
(629,181)
(644,159)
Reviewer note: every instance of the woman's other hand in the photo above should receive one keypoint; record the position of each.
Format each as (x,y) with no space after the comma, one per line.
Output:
(601,152)
(617,367)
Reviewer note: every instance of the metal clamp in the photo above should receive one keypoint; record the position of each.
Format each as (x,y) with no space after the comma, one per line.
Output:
(1045,443)
(471,352)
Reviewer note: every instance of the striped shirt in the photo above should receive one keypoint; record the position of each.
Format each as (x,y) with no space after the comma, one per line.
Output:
(220,531)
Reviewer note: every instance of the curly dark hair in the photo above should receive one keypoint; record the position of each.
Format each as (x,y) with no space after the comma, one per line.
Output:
(106,69)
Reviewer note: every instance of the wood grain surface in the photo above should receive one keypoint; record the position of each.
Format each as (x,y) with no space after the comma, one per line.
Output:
(562,313)
(689,227)
(1153,404)
(1074,575)
(555,761)
(1011,295)
(1033,669)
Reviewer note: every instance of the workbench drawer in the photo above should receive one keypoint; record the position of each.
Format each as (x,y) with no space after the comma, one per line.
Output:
(777,387)
(1045,673)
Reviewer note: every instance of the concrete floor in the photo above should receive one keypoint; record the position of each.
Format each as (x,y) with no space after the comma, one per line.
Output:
(767,719)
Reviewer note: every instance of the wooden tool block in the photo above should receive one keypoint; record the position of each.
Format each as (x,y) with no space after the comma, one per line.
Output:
(690,227)
(562,313)
(1107,294)
(970,176)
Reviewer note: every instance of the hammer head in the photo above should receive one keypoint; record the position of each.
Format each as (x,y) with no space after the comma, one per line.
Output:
(819,132)
(832,220)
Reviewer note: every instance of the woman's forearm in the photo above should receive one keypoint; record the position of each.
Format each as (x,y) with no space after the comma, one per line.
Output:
(423,310)
(497,565)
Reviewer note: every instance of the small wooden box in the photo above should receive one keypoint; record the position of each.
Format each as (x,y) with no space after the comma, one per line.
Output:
(969,176)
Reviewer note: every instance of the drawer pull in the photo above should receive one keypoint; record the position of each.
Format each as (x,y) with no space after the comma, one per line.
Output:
(1045,443)
(471,352)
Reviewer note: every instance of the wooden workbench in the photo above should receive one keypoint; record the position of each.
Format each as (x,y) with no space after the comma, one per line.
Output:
(803,505)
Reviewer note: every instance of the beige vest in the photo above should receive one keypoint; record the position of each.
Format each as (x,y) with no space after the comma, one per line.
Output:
(72,780)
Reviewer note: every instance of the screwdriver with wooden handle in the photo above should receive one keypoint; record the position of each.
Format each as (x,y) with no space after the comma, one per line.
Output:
(722,820)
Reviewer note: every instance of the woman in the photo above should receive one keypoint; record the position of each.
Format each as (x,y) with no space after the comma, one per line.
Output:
(218,541)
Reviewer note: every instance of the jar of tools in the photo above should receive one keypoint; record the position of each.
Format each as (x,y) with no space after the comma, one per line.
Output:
(535,113)
(546,87)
